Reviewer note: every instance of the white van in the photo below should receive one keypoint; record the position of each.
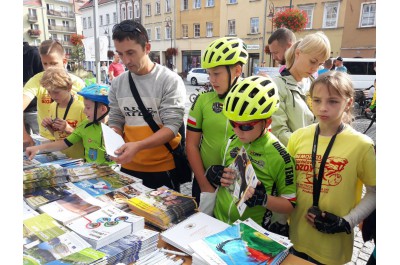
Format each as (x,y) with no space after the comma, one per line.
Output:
(361,71)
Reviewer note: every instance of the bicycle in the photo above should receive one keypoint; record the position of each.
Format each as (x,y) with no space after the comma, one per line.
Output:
(361,102)
(207,87)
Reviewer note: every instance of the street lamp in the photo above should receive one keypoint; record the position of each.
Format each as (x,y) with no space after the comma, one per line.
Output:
(271,17)
(168,25)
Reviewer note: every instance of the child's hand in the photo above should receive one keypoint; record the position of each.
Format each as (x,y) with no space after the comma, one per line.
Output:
(31,152)
(61,125)
(47,122)
(228,177)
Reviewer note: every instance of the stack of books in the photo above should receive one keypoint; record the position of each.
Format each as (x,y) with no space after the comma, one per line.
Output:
(163,207)
(195,227)
(241,243)
(107,225)
(130,248)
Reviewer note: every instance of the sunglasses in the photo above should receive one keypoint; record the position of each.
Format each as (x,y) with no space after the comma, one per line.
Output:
(128,28)
(245,127)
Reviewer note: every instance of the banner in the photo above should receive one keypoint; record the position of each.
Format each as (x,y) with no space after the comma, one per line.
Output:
(88,44)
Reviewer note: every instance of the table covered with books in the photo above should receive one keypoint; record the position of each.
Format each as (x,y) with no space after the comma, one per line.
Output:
(91,214)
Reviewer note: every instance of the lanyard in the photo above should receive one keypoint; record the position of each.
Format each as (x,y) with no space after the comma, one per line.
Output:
(67,109)
(317,182)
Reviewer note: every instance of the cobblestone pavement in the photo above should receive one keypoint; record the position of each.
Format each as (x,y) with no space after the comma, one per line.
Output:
(361,250)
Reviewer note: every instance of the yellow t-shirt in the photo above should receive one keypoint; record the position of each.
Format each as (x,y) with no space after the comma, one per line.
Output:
(350,163)
(33,89)
(74,116)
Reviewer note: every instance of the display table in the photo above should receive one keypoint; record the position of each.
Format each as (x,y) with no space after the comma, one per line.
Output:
(289,260)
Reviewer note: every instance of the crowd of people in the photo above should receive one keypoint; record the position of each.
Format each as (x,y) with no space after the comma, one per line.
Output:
(295,128)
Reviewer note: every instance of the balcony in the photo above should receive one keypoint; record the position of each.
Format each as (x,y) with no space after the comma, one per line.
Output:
(34,33)
(65,43)
(62,28)
(32,18)
(56,13)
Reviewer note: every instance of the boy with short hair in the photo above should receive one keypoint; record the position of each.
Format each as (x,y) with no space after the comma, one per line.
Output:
(249,107)
(89,131)
(66,111)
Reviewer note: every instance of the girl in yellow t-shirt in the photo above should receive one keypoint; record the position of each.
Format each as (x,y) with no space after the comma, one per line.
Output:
(332,162)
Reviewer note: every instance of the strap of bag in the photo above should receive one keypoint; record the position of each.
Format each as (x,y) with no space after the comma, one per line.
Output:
(146,115)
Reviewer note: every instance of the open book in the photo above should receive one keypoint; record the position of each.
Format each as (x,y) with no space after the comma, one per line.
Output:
(245,177)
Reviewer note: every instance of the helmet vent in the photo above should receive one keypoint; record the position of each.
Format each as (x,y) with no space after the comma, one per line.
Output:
(225,50)
(230,56)
(235,45)
(234,103)
(267,108)
(227,104)
(242,54)
(271,92)
(243,88)
(253,111)
(265,82)
(219,45)
(261,101)
(244,106)
(211,57)
(254,92)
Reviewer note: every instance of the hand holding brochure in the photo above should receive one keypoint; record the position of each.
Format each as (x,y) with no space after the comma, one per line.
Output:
(112,140)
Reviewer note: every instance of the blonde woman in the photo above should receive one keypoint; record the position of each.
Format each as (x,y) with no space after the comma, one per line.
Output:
(302,61)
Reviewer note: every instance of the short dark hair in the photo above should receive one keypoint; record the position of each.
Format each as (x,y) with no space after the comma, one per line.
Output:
(283,36)
(339,59)
(129,29)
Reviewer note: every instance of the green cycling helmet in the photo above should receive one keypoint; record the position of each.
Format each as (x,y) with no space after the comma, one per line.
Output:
(253,98)
(224,51)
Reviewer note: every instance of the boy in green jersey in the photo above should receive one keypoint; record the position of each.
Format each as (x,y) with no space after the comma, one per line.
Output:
(88,131)
(249,107)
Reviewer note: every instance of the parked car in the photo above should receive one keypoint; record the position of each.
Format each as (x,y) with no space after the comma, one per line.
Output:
(361,72)
(197,76)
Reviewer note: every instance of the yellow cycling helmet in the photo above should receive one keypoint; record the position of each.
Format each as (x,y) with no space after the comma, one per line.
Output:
(253,98)
(224,51)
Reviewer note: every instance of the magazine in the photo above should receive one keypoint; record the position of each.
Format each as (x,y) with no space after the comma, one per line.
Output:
(240,244)
(163,207)
(245,177)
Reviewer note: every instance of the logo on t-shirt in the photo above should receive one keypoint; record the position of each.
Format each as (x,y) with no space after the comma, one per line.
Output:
(217,107)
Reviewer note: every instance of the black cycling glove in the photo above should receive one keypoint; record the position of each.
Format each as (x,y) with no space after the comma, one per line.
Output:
(259,197)
(214,175)
(331,224)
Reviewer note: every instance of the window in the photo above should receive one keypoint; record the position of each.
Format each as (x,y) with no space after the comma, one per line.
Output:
(53,36)
(52,22)
(84,23)
(149,33)
(254,25)
(108,19)
(209,27)
(368,15)
(115,17)
(185,31)
(136,10)
(209,3)
(158,33)
(64,9)
(158,8)
(196,30)
(65,24)
(32,12)
(130,12)
(68,50)
(168,32)
(196,4)
(232,1)
(34,26)
(231,27)
(309,11)
(168,6)
(50,7)
(185,5)
(101,20)
(331,13)
(67,38)
(148,10)
(89,21)
(123,13)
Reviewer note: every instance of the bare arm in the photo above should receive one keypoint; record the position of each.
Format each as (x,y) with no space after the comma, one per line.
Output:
(48,147)
(196,163)
(129,150)
(27,139)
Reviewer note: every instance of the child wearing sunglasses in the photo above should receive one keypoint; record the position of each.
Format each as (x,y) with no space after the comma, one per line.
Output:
(249,107)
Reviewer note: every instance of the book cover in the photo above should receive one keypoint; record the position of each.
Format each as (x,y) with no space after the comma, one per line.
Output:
(72,207)
(195,227)
(44,227)
(106,225)
(163,207)
(245,177)
(86,256)
(41,196)
(56,248)
(240,244)
(119,197)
